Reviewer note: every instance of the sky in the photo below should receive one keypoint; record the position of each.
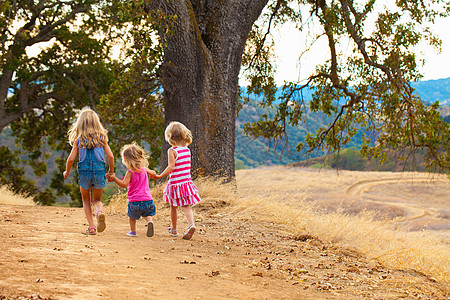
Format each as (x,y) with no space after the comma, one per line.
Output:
(288,41)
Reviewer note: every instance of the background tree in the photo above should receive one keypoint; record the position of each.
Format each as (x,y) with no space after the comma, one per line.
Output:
(366,90)
(40,93)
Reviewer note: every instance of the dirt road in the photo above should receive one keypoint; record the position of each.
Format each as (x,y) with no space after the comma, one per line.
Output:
(44,254)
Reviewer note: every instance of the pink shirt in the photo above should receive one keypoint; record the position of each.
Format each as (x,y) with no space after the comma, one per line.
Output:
(138,189)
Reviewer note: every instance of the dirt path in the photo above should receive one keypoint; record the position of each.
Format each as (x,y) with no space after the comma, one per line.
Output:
(45,254)
(364,190)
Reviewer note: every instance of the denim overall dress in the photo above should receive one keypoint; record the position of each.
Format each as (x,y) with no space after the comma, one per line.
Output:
(91,168)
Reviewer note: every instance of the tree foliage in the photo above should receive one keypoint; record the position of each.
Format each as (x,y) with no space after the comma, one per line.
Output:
(75,66)
(134,108)
(368,89)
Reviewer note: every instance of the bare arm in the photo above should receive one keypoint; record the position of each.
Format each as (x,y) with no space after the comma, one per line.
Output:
(151,173)
(171,155)
(110,156)
(122,183)
(71,159)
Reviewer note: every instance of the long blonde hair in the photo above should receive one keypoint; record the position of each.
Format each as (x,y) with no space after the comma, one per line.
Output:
(88,130)
(134,157)
(176,132)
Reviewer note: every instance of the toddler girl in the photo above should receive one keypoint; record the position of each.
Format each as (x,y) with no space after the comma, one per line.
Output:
(140,201)
(90,141)
(180,190)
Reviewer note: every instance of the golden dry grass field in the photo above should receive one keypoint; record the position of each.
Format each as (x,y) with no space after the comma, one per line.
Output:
(275,233)
(402,219)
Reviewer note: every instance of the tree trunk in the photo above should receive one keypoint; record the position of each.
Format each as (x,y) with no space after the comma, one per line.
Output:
(200,77)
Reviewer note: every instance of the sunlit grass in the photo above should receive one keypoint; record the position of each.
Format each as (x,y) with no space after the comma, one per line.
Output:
(8,197)
(377,240)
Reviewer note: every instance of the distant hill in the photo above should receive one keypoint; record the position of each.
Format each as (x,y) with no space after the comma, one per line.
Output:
(252,153)
(429,90)
(351,159)
(434,90)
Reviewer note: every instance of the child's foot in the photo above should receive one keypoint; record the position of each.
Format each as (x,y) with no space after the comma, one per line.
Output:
(150,231)
(189,232)
(172,232)
(101,224)
(91,231)
(132,233)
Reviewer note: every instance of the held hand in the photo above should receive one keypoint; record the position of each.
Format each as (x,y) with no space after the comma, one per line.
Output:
(110,176)
(66,174)
(152,174)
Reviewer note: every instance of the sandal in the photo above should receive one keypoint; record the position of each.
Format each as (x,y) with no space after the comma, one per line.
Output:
(172,232)
(91,231)
(101,224)
(189,232)
(150,231)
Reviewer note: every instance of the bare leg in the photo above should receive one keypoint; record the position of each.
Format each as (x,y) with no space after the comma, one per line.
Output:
(86,196)
(132,224)
(173,217)
(148,219)
(189,214)
(97,199)
(190,218)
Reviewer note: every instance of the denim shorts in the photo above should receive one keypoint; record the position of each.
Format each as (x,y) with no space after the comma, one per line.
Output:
(138,209)
(91,173)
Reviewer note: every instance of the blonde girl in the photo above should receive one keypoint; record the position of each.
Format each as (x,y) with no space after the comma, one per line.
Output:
(140,200)
(89,140)
(180,191)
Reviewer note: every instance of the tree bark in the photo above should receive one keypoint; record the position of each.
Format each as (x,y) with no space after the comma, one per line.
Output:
(200,76)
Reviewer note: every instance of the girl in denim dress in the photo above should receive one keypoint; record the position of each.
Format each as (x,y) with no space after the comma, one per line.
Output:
(140,200)
(89,140)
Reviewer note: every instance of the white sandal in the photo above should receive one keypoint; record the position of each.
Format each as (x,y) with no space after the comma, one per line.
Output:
(172,232)
(189,232)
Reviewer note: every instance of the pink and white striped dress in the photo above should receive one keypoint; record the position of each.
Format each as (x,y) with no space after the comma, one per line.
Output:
(180,190)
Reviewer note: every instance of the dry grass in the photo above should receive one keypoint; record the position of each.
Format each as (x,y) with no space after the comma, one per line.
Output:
(377,240)
(288,197)
(8,197)
(211,191)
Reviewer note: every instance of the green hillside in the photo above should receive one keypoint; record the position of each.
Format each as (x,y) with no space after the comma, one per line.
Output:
(252,153)
(351,159)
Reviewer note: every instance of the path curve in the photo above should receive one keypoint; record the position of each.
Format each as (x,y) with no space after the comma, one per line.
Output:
(362,189)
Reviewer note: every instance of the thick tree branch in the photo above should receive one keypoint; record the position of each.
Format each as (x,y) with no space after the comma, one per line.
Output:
(10,116)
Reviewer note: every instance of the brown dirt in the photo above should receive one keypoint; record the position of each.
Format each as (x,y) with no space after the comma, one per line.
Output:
(46,255)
